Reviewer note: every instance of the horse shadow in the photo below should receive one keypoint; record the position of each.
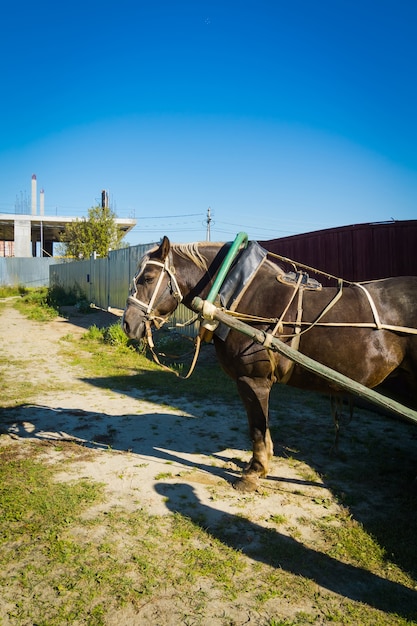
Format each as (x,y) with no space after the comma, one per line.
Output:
(370,470)
(280,551)
(169,438)
(174,438)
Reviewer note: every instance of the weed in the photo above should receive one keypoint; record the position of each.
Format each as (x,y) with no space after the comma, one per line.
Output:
(278,519)
(34,304)
(7,291)
(93,334)
(164,476)
(67,337)
(114,335)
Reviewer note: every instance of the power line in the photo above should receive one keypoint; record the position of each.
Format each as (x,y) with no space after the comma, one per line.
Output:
(166,217)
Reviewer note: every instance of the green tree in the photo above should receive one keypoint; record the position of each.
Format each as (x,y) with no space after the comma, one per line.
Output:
(96,233)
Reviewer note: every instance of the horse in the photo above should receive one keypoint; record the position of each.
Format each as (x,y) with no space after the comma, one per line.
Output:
(365,331)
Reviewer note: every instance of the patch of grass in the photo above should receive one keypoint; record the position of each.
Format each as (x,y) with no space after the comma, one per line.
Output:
(112,362)
(164,476)
(115,336)
(44,303)
(8,291)
(278,519)
(112,335)
(93,334)
(61,562)
(349,542)
(115,362)
(56,568)
(42,508)
(35,305)
(17,389)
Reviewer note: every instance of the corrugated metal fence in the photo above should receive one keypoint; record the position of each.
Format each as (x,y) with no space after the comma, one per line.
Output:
(106,282)
(28,272)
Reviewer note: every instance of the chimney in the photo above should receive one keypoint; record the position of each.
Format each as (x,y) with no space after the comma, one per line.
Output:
(42,202)
(34,200)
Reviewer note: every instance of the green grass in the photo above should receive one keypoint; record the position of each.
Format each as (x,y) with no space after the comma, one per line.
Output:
(35,305)
(8,291)
(115,363)
(44,303)
(56,568)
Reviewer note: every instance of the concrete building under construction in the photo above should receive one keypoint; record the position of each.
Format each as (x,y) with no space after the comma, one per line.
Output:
(33,234)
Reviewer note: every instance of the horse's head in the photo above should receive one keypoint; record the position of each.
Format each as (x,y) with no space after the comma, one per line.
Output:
(154,294)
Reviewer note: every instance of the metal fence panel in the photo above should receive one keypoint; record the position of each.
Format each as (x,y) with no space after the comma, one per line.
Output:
(182,315)
(122,268)
(71,275)
(29,272)
(105,282)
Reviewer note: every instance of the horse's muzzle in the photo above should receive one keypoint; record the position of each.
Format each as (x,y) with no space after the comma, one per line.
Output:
(133,321)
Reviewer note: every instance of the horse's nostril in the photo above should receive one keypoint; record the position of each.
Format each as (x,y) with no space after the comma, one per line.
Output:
(126,327)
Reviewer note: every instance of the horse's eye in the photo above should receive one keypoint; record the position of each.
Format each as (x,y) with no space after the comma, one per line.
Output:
(148,280)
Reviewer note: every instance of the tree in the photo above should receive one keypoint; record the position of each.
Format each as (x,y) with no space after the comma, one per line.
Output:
(96,233)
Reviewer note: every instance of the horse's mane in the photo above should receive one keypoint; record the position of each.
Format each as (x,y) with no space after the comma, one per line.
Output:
(191,251)
(194,252)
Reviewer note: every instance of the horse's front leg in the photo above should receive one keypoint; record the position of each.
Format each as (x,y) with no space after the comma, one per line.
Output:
(255,396)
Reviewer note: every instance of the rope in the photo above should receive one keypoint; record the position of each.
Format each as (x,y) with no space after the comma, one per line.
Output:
(151,345)
(296,264)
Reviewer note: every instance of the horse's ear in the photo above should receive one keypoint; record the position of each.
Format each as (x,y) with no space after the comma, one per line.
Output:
(164,248)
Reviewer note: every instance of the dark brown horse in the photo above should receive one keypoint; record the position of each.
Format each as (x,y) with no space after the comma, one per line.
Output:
(366,332)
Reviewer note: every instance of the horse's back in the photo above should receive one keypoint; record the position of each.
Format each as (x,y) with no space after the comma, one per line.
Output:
(395,300)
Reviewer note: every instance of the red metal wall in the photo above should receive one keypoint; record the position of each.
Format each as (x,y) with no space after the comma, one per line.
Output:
(356,253)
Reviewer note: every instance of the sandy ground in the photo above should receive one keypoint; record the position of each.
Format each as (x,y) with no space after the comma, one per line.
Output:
(143,447)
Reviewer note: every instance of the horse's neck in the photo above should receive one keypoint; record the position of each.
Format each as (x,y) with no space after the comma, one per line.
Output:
(196,267)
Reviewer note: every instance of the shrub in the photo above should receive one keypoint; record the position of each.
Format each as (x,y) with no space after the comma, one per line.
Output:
(115,336)
(93,334)
(60,296)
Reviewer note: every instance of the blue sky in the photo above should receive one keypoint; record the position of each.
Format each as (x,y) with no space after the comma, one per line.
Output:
(281,116)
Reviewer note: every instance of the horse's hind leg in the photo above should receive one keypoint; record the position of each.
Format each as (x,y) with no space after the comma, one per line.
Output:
(255,396)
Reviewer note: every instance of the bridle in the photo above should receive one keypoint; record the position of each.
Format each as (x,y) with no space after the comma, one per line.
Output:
(149,308)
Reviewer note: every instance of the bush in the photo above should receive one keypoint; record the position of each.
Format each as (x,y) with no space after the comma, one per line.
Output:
(7,291)
(115,336)
(34,304)
(60,296)
(38,296)
(93,334)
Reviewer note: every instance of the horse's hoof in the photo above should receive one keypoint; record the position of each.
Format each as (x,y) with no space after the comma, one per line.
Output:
(246,484)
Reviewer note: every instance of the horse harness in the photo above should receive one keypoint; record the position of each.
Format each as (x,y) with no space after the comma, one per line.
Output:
(238,280)
(301,282)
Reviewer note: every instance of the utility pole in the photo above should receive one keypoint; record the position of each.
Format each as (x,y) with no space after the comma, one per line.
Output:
(208,222)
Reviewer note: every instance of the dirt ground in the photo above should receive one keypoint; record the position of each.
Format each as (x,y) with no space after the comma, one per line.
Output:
(153,434)
(145,450)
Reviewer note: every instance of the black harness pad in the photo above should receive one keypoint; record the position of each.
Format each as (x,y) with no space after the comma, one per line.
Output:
(242,271)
